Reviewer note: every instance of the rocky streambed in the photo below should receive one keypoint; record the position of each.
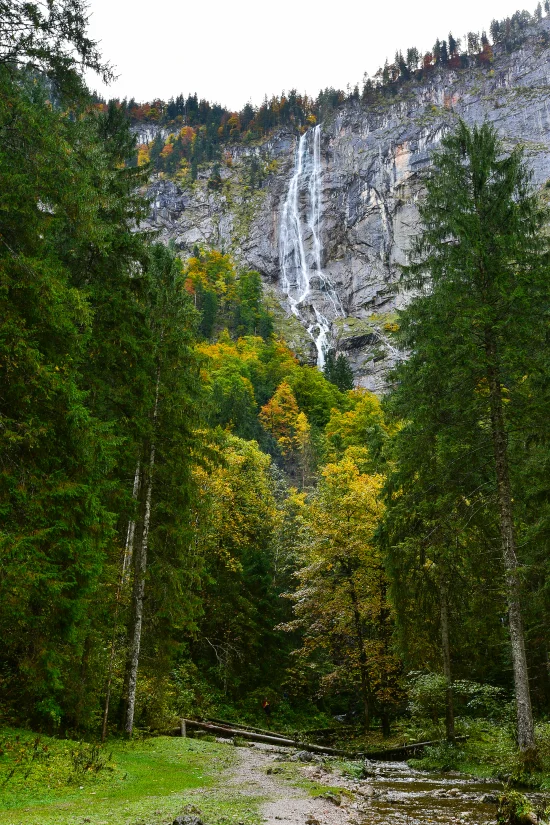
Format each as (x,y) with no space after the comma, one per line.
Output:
(302,789)
(392,792)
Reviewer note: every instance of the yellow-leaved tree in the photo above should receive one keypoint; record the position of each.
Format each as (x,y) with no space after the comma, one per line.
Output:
(361,426)
(340,601)
(234,523)
(290,428)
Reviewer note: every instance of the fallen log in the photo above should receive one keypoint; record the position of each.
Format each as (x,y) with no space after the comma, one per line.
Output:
(224,730)
(305,733)
(238,726)
(328,731)
(404,752)
(265,738)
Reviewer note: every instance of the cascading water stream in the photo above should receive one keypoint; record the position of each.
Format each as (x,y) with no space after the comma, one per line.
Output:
(300,246)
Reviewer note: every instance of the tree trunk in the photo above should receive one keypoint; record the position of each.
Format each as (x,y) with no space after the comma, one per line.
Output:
(362,658)
(126,561)
(526,733)
(140,569)
(129,547)
(386,722)
(383,617)
(446,651)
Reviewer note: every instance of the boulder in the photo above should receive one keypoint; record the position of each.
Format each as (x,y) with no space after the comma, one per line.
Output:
(188,819)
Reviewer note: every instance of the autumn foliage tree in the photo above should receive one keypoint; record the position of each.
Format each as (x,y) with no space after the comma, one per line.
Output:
(340,602)
(280,417)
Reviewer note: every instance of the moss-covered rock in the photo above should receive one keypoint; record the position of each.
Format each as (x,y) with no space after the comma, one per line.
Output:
(515,808)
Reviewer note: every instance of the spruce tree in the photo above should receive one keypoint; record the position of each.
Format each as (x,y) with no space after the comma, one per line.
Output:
(171,445)
(338,371)
(56,452)
(51,39)
(343,373)
(479,266)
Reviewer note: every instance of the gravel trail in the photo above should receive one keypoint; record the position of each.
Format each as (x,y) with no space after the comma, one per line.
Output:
(284,804)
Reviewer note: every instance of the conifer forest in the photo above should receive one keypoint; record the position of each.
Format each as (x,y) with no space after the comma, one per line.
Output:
(202,519)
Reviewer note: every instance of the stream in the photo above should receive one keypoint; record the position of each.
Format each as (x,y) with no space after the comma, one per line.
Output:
(399,794)
(391,793)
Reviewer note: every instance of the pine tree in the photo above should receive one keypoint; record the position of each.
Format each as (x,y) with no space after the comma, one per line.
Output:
(480,264)
(338,371)
(170,447)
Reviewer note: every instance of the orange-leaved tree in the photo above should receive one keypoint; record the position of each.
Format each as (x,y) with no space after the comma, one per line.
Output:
(280,417)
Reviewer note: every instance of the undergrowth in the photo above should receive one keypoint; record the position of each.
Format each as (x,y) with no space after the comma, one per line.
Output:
(490,751)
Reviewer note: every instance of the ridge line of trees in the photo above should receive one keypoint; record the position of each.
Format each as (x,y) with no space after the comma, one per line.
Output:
(197,131)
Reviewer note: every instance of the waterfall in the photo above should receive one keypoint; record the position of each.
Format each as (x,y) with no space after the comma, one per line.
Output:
(300,247)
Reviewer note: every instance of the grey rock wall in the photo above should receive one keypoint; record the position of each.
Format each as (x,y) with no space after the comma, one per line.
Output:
(374,158)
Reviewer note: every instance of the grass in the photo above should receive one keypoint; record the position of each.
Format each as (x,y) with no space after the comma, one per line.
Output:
(146,782)
(290,771)
(353,770)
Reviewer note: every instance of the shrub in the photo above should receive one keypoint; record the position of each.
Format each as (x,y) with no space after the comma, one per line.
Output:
(426,693)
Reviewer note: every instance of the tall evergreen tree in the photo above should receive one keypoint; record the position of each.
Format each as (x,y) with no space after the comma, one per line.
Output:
(56,451)
(170,447)
(338,371)
(480,265)
(52,39)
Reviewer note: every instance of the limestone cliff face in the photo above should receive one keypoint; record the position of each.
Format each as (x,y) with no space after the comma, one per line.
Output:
(372,163)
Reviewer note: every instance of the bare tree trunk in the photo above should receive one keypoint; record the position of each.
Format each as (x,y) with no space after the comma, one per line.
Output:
(140,569)
(526,732)
(129,548)
(446,651)
(126,560)
(365,692)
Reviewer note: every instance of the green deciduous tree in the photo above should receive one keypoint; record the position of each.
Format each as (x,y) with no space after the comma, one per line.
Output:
(236,517)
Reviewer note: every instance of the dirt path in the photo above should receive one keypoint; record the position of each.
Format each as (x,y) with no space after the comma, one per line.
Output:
(285,803)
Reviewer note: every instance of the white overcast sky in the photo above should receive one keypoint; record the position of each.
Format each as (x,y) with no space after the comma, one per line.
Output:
(232,51)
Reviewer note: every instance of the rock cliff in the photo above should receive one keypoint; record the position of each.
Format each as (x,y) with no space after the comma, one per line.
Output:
(372,161)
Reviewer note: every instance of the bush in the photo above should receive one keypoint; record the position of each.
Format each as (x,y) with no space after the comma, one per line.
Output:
(515,809)
(445,756)
(479,700)
(426,693)
(427,698)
